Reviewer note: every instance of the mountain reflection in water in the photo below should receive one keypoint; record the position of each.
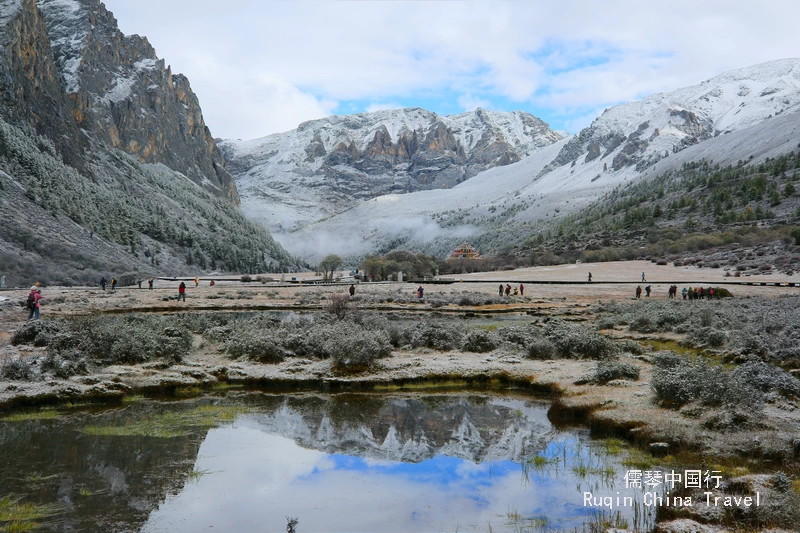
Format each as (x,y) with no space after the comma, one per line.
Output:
(382,463)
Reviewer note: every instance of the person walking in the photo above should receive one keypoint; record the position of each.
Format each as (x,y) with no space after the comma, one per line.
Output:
(140,283)
(647,291)
(196,282)
(508,290)
(638,292)
(500,290)
(113,284)
(182,291)
(352,290)
(643,280)
(33,303)
(683,292)
(150,284)
(590,277)
(103,283)
(521,289)
(420,292)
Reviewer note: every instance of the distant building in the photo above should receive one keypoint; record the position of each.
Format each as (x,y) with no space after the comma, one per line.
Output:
(465,251)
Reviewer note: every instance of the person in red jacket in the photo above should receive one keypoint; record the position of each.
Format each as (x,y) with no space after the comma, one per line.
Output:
(182,291)
(33,303)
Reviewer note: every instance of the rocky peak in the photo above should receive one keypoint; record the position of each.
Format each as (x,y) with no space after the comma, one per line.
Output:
(639,134)
(123,94)
(344,159)
(29,79)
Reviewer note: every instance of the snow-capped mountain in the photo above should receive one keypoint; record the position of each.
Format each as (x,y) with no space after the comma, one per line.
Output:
(641,133)
(412,429)
(736,115)
(325,166)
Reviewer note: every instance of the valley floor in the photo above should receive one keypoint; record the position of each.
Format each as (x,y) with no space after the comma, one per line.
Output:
(621,408)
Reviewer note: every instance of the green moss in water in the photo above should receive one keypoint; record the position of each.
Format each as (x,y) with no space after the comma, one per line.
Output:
(16,516)
(170,424)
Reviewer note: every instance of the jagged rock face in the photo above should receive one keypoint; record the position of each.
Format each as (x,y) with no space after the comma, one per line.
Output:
(334,162)
(31,86)
(125,96)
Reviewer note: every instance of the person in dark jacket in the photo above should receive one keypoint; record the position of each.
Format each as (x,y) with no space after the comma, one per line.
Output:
(182,291)
(500,290)
(103,283)
(352,290)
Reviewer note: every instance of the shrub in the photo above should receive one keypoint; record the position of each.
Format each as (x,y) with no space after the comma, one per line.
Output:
(16,370)
(443,336)
(677,381)
(256,346)
(355,348)
(480,341)
(574,340)
(338,305)
(541,348)
(642,324)
(606,371)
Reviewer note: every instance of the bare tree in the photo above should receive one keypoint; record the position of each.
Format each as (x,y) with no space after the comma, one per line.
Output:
(338,304)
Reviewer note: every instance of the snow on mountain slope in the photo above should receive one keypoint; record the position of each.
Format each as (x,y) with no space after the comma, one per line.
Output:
(742,113)
(641,133)
(325,166)
(435,221)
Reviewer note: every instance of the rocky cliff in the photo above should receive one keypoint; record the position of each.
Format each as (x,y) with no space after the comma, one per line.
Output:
(106,165)
(326,166)
(126,97)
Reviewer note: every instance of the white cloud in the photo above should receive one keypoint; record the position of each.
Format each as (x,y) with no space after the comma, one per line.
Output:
(385,106)
(285,62)
(468,102)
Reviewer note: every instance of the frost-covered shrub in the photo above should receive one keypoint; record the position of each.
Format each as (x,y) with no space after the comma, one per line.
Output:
(439,335)
(480,341)
(106,340)
(629,346)
(541,348)
(218,333)
(766,378)
(16,370)
(708,336)
(678,380)
(28,332)
(606,371)
(64,368)
(255,345)
(355,348)
(642,324)
(575,340)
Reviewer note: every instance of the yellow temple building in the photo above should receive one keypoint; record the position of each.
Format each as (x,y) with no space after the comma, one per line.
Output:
(465,251)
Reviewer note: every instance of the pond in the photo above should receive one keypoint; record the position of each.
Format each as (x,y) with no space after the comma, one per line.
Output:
(247,461)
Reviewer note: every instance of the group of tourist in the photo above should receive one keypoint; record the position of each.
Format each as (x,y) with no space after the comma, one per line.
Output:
(518,291)
(691,293)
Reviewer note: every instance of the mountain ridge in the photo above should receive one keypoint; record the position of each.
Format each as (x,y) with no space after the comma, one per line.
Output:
(327,165)
(624,144)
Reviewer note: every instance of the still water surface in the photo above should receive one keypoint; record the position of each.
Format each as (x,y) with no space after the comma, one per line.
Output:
(244,461)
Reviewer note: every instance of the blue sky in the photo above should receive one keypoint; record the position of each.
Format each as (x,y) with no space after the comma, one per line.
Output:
(261,67)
